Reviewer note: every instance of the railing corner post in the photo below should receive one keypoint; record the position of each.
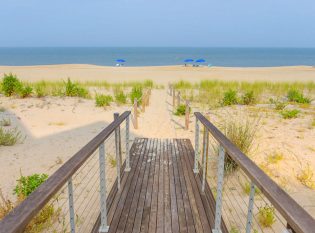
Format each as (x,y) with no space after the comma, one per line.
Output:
(196,169)
(250,208)
(127,168)
(135,113)
(71,206)
(218,206)
(118,151)
(103,226)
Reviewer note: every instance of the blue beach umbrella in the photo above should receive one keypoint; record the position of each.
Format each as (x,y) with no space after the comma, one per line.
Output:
(189,60)
(200,60)
(120,60)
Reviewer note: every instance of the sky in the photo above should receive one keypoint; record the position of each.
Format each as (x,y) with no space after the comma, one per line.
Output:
(157,23)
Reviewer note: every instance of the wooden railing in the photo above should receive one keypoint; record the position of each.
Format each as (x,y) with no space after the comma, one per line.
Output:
(86,169)
(178,100)
(293,217)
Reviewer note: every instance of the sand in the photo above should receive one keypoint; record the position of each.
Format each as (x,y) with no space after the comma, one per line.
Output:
(160,74)
(55,128)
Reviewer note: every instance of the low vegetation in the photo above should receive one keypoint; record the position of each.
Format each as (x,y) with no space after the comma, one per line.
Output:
(289,114)
(120,96)
(298,97)
(274,158)
(306,177)
(103,100)
(181,110)
(266,216)
(217,93)
(74,89)
(136,94)
(46,218)
(279,105)
(230,98)
(246,188)
(9,137)
(28,184)
(242,133)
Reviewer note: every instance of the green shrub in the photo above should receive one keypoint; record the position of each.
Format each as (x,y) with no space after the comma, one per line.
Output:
(103,100)
(10,84)
(298,97)
(279,105)
(289,114)
(73,89)
(27,184)
(181,110)
(266,216)
(136,93)
(248,98)
(229,98)
(120,97)
(241,132)
(24,91)
(9,137)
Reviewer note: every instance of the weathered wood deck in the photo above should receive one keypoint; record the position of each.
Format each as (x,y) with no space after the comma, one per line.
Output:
(161,193)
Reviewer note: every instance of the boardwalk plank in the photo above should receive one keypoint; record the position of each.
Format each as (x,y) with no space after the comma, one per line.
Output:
(142,194)
(161,193)
(167,199)
(179,197)
(174,212)
(119,209)
(160,210)
(148,198)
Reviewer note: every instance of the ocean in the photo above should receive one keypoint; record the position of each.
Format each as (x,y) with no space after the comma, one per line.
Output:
(229,57)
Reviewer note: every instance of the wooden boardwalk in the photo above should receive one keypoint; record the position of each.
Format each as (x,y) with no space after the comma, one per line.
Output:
(161,193)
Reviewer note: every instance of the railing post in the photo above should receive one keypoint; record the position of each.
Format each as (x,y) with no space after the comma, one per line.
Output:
(118,151)
(205,153)
(174,97)
(143,103)
(135,113)
(103,226)
(178,98)
(196,170)
(127,168)
(71,206)
(250,208)
(218,206)
(187,115)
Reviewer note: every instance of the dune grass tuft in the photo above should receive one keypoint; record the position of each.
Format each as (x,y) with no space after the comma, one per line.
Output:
(275,157)
(266,215)
(306,177)
(103,100)
(9,137)
(241,132)
(289,114)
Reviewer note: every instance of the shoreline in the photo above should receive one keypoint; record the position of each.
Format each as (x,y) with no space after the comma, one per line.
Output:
(160,74)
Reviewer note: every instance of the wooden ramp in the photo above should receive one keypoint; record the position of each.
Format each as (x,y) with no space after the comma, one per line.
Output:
(161,193)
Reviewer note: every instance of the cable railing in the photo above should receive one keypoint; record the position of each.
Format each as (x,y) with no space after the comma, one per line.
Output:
(178,100)
(246,199)
(139,104)
(77,194)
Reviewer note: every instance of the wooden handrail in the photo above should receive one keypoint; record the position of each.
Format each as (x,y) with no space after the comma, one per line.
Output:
(19,217)
(297,217)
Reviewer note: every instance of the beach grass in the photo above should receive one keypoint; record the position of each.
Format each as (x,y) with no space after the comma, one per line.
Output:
(214,92)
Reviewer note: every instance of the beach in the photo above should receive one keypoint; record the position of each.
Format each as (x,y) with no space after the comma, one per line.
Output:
(160,74)
(55,128)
